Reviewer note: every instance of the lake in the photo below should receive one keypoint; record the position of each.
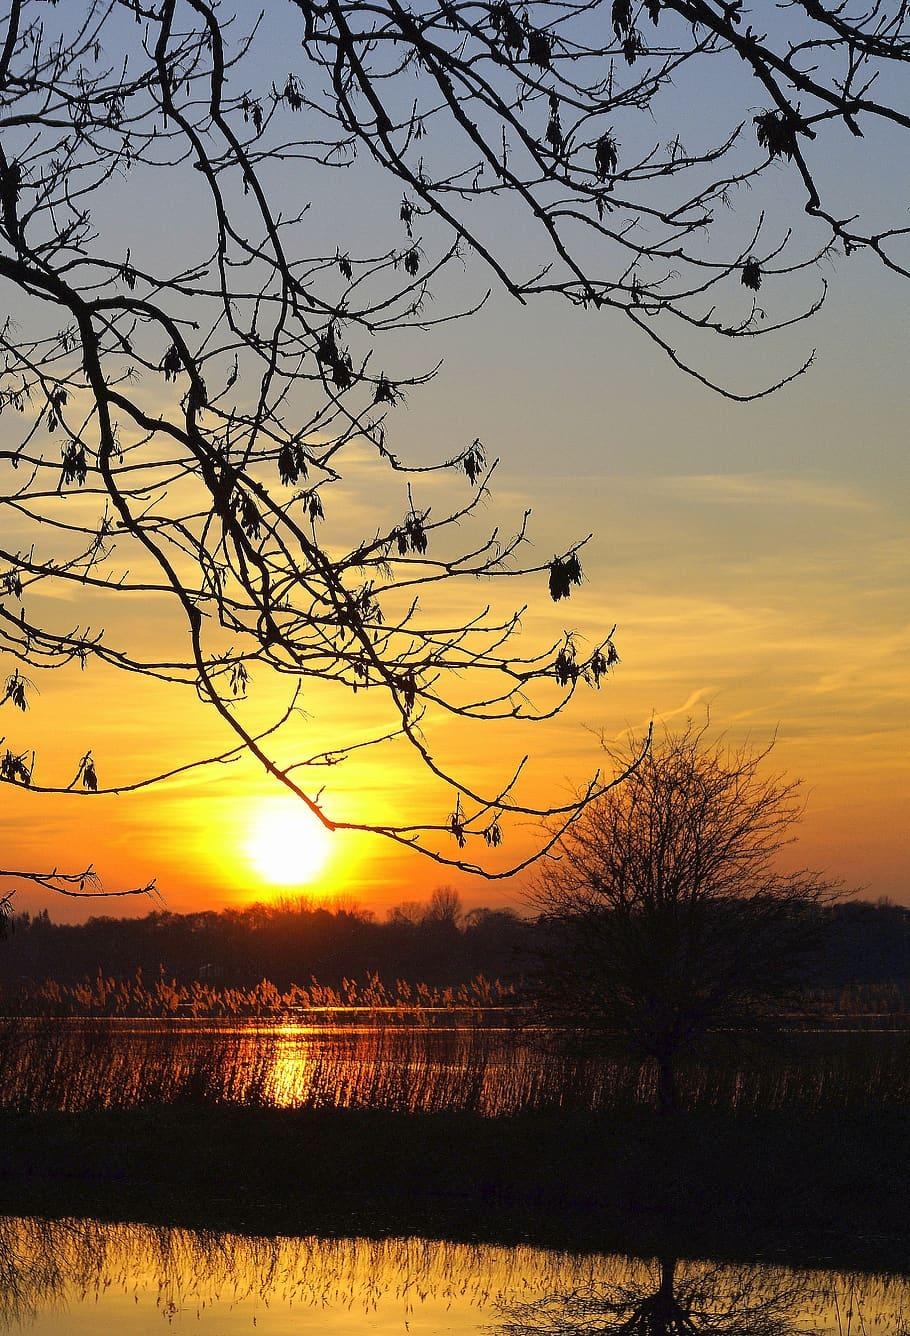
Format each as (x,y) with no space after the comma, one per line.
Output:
(76,1064)
(271,1143)
(75,1277)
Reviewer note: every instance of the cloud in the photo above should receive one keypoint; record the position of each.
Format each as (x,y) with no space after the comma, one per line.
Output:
(766,489)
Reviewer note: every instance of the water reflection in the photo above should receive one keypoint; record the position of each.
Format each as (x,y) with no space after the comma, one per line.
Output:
(76,1276)
(673,1298)
(74,1066)
(104,1063)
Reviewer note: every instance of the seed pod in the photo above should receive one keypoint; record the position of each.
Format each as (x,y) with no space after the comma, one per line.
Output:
(606,156)
(751,276)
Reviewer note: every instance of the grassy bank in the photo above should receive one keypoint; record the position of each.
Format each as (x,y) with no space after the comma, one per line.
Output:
(827,1189)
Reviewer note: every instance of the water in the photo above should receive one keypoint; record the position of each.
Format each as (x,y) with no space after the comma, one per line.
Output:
(75,1277)
(76,1065)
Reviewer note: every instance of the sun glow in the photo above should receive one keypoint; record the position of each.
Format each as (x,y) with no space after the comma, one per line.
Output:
(285,843)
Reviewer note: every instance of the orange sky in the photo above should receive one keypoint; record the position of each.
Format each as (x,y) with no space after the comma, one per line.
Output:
(754,559)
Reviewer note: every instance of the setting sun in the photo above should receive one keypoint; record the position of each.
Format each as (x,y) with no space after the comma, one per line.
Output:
(286,844)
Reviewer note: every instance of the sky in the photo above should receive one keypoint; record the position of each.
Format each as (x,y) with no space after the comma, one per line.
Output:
(753,557)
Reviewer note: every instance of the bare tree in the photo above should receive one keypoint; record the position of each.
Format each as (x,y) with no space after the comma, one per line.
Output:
(206,410)
(666,1298)
(203,415)
(628,133)
(74,885)
(670,913)
(444,909)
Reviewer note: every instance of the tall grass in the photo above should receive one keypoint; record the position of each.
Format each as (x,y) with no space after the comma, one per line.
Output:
(162,997)
(78,1065)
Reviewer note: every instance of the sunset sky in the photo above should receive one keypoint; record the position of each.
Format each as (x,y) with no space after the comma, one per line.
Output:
(754,559)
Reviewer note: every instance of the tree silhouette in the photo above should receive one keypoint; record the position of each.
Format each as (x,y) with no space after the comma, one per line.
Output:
(592,117)
(688,1299)
(670,914)
(182,414)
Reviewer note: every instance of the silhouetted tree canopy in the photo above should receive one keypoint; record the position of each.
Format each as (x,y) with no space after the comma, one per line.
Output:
(670,910)
(285,943)
(183,411)
(863,966)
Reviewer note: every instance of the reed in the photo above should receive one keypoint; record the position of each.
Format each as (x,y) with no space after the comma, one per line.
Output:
(93,1064)
(163,997)
(49,1268)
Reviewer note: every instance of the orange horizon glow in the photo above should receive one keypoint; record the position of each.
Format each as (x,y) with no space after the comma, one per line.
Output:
(754,563)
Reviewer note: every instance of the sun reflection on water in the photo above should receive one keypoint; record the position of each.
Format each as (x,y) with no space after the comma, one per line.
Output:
(78,1276)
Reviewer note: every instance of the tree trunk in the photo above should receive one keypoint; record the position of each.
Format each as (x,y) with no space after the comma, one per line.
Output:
(667,1093)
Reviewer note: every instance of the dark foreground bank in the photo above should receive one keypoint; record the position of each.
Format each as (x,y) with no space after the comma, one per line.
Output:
(826,1189)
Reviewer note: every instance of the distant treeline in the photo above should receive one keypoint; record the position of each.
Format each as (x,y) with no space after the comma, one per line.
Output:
(863,964)
(287,942)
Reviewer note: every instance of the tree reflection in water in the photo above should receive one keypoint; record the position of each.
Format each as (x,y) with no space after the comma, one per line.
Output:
(120,1271)
(673,1298)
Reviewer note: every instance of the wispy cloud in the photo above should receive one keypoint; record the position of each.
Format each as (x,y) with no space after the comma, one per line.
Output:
(766,489)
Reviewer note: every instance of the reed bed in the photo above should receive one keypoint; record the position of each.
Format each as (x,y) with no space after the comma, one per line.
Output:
(164,998)
(85,1065)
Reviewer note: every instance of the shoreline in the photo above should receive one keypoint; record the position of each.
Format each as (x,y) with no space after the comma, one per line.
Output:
(827,1189)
